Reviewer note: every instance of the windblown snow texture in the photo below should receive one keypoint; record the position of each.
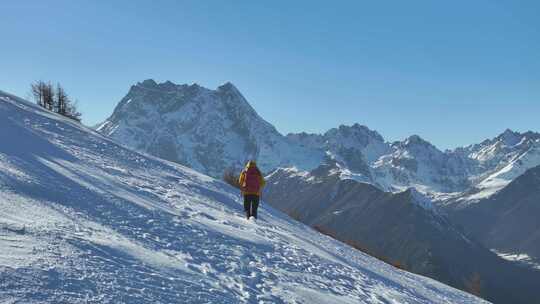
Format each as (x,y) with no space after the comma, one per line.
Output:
(83,219)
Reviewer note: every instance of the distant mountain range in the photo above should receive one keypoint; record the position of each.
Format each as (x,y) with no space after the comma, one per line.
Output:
(212,130)
(407,200)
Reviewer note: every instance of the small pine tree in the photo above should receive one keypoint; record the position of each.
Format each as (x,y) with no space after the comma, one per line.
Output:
(62,100)
(43,94)
(48,96)
(37,89)
(55,99)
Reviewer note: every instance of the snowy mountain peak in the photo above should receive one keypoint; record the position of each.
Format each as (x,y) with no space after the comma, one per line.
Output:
(215,129)
(359,133)
(167,86)
(209,130)
(531,135)
(148,83)
(509,137)
(415,147)
(506,139)
(235,99)
(356,147)
(228,87)
(416,140)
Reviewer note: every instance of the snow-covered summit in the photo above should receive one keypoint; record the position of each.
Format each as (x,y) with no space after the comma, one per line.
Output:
(415,162)
(502,148)
(356,137)
(84,219)
(499,161)
(209,130)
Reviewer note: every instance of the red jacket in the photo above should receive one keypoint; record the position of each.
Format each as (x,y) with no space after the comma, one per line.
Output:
(242,179)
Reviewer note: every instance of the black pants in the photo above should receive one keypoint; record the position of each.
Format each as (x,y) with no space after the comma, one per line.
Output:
(251,203)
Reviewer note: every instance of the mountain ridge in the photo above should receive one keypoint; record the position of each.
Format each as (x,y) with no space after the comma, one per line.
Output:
(229,131)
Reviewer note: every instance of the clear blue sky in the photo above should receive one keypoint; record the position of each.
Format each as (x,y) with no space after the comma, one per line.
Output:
(453,72)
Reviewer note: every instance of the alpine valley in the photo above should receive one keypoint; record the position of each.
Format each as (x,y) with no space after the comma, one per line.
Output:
(457,215)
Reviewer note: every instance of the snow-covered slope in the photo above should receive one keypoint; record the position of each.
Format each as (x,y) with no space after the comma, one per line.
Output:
(208,130)
(83,219)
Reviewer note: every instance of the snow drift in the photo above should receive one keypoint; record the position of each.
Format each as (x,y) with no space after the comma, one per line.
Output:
(83,219)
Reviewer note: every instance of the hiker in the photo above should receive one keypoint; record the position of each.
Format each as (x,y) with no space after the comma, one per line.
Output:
(251,183)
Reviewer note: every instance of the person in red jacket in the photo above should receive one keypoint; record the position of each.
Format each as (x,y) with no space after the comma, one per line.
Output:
(251,183)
